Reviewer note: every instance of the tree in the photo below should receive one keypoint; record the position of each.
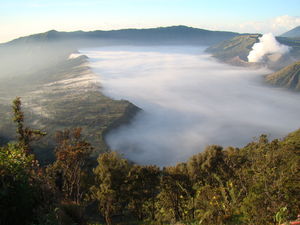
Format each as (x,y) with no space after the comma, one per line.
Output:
(272,180)
(18,195)
(173,201)
(142,185)
(204,164)
(22,193)
(25,134)
(218,205)
(72,163)
(110,175)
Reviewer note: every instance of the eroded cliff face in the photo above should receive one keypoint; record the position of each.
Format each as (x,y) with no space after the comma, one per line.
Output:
(67,94)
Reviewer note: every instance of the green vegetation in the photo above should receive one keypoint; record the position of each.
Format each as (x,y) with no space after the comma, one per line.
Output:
(23,191)
(54,179)
(25,134)
(71,166)
(288,77)
(257,184)
(18,192)
(60,93)
(57,93)
(109,178)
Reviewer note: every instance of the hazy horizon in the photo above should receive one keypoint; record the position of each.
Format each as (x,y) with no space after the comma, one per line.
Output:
(21,18)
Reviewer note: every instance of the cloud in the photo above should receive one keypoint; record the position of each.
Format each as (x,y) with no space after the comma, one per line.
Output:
(276,25)
(188,101)
(285,22)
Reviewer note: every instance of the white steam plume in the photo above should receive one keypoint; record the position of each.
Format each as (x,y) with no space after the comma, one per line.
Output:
(267,45)
(74,55)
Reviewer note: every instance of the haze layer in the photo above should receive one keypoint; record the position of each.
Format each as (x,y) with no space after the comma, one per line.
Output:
(188,101)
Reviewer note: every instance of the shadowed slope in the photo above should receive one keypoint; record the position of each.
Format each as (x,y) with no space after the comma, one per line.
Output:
(287,77)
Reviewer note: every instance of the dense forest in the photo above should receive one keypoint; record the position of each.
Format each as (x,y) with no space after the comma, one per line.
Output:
(257,184)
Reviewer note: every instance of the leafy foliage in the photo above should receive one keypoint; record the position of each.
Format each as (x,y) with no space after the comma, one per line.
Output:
(17,187)
(25,135)
(257,184)
(141,187)
(72,164)
(110,177)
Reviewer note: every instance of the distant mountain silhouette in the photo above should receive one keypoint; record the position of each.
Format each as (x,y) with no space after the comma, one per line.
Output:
(162,35)
(295,32)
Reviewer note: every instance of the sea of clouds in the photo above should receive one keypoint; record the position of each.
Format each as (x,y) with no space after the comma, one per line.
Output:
(189,100)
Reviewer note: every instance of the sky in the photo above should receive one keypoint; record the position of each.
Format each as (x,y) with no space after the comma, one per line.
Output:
(25,17)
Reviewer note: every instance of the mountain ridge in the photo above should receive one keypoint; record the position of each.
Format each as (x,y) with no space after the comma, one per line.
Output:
(295,32)
(287,77)
(172,34)
(237,46)
(235,51)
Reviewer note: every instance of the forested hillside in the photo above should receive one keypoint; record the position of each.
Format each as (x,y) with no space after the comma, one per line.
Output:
(50,141)
(257,184)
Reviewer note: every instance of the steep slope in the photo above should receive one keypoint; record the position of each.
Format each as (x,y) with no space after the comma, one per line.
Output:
(288,77)
(292,33)
(238,46)
(57,92)
(162,35)
(236,50)
(293,43)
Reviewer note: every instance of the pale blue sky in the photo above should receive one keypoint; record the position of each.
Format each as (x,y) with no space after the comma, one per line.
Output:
(23,17)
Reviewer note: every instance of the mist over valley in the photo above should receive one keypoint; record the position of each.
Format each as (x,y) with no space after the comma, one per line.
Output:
(130,112)
(188,101)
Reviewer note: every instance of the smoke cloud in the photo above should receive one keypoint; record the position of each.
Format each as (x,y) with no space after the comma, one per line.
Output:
(267,45)
(188,101)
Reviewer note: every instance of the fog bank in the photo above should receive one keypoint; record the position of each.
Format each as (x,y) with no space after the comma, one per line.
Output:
(188,101)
